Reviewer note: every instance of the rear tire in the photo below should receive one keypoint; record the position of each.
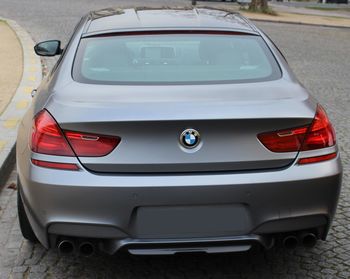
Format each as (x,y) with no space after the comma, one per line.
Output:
(24,224)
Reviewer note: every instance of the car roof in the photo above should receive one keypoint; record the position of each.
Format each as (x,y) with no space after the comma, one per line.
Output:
(131,19)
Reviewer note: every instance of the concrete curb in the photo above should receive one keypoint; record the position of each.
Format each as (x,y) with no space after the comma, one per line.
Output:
(11,117)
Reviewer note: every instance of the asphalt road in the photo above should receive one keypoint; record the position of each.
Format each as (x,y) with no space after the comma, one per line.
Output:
(320,58)
(57,18)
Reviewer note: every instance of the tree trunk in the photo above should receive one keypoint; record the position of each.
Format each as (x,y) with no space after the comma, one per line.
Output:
(258,5)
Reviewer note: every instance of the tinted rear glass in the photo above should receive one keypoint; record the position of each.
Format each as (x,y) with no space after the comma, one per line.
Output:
(174,59)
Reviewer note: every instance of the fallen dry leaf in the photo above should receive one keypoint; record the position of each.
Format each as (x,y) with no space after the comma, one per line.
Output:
(12,186)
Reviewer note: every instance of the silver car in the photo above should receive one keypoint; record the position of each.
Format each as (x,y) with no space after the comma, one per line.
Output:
(173,130)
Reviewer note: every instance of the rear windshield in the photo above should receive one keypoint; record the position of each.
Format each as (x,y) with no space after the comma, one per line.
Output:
(174,59)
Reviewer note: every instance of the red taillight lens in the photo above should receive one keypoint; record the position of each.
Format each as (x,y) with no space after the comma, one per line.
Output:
(47,137)
(289,140)
(319,135)
(90,145)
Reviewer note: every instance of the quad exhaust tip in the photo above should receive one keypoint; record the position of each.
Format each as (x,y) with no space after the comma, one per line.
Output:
(290,242)
(66,247)
(86,249)
(308,240)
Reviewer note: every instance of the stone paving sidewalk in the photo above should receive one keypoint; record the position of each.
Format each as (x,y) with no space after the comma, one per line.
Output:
(20,73)
(11,62)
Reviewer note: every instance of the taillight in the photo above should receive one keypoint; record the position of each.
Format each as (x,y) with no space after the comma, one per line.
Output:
(91,145)
(289,140)
(47,137)
(320,134)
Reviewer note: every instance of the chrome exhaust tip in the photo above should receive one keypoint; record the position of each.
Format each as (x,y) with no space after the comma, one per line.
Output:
(290,242)
(86,249)
(66,247)
(308,240)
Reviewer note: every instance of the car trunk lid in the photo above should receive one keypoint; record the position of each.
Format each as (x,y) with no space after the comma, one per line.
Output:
(150,119)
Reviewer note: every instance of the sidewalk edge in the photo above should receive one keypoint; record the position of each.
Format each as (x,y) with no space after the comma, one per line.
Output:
(15,110)
(297,23)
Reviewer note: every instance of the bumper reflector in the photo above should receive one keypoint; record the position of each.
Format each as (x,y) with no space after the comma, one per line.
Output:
(317,159)
(54,165)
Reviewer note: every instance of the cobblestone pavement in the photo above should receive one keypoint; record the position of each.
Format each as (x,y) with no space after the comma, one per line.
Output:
(320,58)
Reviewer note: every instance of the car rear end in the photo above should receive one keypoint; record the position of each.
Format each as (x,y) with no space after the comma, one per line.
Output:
(105,165)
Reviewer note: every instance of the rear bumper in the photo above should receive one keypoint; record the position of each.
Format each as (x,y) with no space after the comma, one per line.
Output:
(123,209)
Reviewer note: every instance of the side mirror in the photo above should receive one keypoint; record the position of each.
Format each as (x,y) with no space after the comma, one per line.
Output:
(48,48)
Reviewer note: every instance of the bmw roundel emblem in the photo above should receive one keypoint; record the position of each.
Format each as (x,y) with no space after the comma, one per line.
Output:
(190,138)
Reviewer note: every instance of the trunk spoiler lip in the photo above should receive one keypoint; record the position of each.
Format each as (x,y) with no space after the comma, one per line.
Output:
(169,31)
